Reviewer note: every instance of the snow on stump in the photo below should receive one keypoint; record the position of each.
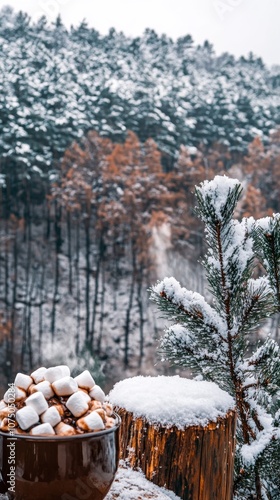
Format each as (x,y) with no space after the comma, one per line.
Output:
(180,432)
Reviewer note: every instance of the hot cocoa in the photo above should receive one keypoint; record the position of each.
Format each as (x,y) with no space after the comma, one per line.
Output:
(51,396)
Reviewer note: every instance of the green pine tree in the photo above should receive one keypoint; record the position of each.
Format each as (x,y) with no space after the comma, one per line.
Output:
(213,339)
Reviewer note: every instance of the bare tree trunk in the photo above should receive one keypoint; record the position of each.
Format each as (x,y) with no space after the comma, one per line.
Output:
(128,312)
(102,307)
(48,220)
(58,243)
(14,299)
(78,293)
(27,238)
(6,289)
(29,319)
(42,282)
(141,319)
(96,287)
(89,338)
(41,309)
(115,275)
(7,280)
(69,241)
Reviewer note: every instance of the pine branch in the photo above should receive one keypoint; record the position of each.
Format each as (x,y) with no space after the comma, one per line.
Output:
(266,235)
(186,307)
(266,364)
(256,304)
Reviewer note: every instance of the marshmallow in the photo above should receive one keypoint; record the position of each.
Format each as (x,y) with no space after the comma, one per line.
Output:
(45,388)
(37,402)
(64,430)
(102,413)
(65,386)
(4,425)
(14,394)
(2,405)
(94,405)
(56,372)
(85,380)
(92,422)
(77,404)
(85,395)
(6,412)
(108,408)
(7,425)
(26,417)
(39,374)
(97,394)
(51,416)
(43,429)
(23,381)
(31,389)
(60,409)
(110,422)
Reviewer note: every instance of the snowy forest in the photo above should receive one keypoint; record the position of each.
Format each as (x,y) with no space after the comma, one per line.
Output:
(103,138)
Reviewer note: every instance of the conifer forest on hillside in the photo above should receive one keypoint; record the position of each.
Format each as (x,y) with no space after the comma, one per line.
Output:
(102,140)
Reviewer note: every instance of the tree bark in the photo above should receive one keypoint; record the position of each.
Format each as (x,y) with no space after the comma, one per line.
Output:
(141,317)
(96,289)
(89,340)
(58,244)
(102,308)
(196,463)
(78,290)
(69,243)
(127,323)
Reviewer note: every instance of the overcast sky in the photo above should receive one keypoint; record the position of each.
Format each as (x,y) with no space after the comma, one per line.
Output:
(236,26)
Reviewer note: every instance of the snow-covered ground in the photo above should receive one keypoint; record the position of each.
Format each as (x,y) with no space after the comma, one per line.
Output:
(132,485)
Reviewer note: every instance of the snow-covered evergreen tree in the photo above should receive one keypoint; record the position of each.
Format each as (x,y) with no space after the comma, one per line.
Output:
(212,339)
(57,84)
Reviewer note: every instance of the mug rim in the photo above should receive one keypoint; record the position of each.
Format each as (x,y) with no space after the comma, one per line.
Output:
(58,438)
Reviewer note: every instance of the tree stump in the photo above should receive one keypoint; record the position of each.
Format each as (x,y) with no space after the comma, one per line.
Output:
(195,462)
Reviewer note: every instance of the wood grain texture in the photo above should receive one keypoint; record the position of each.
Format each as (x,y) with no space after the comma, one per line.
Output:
(196,463)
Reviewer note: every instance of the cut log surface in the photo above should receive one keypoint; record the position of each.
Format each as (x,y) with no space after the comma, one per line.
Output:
(196,462)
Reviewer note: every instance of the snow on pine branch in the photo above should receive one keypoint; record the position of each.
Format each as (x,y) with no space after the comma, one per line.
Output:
(267,224)
(251,452)
(235,243)
(257,305)
(266,236)
(215,194)
(180,341)
(230,243)
(190,305)
(255,368)
(201,353)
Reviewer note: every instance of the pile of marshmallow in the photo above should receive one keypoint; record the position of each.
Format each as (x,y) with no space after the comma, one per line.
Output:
(51,402)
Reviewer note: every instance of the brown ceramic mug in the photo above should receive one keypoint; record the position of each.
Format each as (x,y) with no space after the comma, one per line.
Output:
(80,467)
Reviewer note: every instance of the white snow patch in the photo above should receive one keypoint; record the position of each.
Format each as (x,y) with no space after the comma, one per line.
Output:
(250,452)
(132,485)
(267,224)
(218,190)
(192,302)
(172,401)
